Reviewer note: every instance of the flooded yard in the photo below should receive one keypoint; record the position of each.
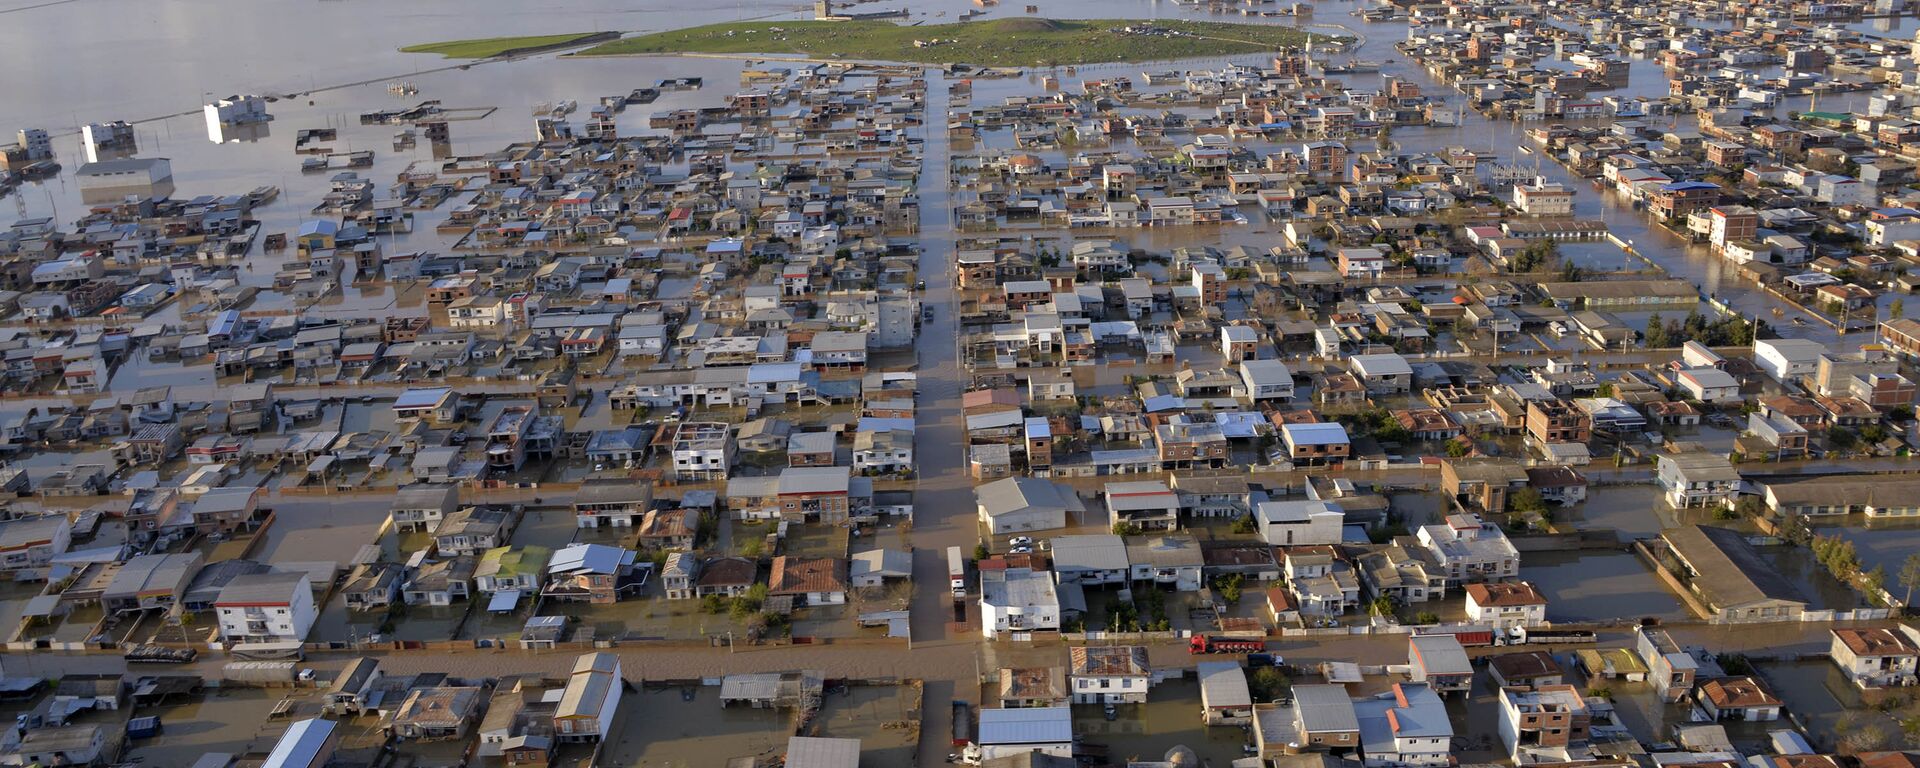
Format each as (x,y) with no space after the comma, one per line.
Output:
(310,530)
(660,729)
(885,718)
(1170,718)
(1598,585)
(1821,590)
(1633,511)
(222,721)
(1883,544)
(1816,693)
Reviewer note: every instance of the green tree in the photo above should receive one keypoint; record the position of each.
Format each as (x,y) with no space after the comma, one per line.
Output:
(1391,432)
(1270,683)
(1910,575)
(1245,525)
(1126,529)
(1535,256)
(1657,336)
(980,552)
(1898,309)
(1527,500)
(1873,581)
(1230,586)
(1459,447)
(1381,606)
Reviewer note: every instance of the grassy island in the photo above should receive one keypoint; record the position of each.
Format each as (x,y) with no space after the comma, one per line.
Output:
(1013,42)
(489,47)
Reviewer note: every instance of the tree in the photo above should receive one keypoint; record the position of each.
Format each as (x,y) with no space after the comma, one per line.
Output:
(1910,575)
(1898,309)
(1873,581)
(1230,586)
(1381,606)
(1864,732)
(1527,500)
(1459,447)
(1572,273)
(1657,335)
(1270,683)
(1535,256)
(1245,525)
(1126,529)
(1391,432)
(980,552)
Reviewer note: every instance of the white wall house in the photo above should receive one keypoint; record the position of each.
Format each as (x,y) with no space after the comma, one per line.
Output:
(269,607)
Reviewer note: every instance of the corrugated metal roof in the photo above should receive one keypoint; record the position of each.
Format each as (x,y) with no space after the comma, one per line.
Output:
(1033,725)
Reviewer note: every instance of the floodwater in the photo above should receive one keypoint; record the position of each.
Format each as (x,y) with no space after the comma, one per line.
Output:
(1633,511)
(1817,693)
(270,47)
(1885,544)
(1821,589)
(1599,585)
(1170,718)
(659,729)
(311,530)
(225,720)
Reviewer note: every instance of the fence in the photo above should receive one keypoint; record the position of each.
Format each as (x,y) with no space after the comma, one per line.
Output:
(1361,629)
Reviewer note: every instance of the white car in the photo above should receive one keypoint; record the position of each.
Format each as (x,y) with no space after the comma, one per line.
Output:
(1023,550)
(1020,541)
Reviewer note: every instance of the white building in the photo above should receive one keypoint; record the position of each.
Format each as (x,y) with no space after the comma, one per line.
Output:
(111,181)
(1709,385)
(1506,605)
(1697,479)
(1109,674)
(591,698)
(1543,198)
(1012,732)
(1266,380)
(105,139)
(233,111)
(272,607)
(1386,373)
(1019,504)
(1876,658)
(1298,523)
(702,450)
(1017,600)
(1408,727)
(1787,360)
(1470,550)
(32,542)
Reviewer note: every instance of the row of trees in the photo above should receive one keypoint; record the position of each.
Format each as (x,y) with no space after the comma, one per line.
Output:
(1730,331)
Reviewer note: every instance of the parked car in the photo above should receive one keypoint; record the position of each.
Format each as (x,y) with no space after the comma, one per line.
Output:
(1020,541)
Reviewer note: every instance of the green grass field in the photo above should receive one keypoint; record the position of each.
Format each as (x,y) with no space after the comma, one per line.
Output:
(1017,42)
(491,46)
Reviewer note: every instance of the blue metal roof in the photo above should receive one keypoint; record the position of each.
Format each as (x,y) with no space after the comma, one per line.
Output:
(301,745)
(1030,725)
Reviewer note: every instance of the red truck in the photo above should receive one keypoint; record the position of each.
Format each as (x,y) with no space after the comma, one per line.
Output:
(1203,644)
